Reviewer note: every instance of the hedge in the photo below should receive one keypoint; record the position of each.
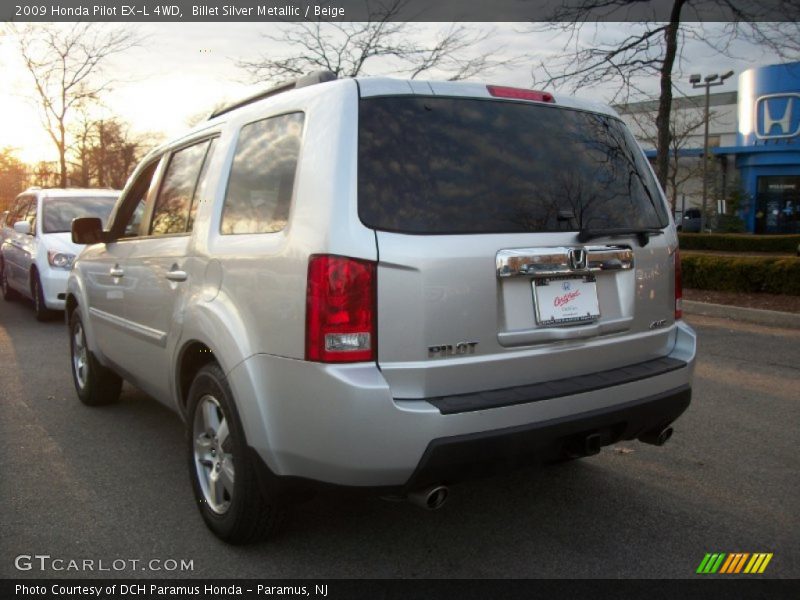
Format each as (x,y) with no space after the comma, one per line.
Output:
(732,242)
(775,275)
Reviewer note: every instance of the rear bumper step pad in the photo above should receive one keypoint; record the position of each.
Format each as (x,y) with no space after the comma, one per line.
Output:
(547,390)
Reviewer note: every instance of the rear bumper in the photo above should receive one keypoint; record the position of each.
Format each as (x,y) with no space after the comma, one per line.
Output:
(458,458)
(447,460)
(340,424)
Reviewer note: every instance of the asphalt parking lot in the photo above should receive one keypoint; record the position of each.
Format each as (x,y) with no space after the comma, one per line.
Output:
(111,484)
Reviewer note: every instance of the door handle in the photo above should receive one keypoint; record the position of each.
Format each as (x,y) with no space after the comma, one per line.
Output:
(176,275)
(116,272)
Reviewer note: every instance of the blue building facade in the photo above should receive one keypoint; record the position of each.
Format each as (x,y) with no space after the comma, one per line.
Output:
(767,152)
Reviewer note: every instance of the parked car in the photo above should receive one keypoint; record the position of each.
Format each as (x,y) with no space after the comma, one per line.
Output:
(3,217)
(37,250)
(690,221)
(386,285)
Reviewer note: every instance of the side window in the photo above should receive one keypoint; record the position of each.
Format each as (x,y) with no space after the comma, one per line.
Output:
(30,217)
(132,209)
(262,176)
(174,202)
(135,222)
(20,210)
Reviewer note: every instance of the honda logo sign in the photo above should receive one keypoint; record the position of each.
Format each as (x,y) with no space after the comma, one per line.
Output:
(577,258)
(777,116)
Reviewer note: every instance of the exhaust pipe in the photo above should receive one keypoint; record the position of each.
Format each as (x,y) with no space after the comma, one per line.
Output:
(429,498)
(584,446)
(656,437)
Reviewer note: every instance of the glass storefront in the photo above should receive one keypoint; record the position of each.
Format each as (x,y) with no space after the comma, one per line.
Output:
(778,204)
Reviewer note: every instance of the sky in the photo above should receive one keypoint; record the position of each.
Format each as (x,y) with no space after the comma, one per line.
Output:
(182,70)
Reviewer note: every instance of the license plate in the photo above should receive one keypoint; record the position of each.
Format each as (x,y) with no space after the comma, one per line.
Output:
(565,300)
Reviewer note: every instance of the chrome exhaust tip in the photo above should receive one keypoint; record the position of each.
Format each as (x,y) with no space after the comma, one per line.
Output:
(656,437)
(429,498)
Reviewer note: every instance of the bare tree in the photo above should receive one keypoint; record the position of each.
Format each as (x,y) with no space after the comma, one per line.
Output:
(66,63)
(105,152)
(592,55)
(45,174)
(346,48)
(684,125)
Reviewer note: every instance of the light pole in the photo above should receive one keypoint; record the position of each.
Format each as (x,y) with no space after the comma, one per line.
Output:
(708,82)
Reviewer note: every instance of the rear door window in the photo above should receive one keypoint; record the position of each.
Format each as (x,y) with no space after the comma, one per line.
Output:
(438,165)
(262,176)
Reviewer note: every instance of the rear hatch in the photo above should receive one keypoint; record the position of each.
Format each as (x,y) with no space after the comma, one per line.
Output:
(505,235)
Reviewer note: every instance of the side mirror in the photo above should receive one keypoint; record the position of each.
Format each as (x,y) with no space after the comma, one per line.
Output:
(22,227)
(88,230)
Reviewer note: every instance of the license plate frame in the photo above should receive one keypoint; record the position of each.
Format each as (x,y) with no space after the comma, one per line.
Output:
(568,300)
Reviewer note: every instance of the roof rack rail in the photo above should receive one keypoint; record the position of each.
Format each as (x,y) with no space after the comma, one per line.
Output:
(312,78)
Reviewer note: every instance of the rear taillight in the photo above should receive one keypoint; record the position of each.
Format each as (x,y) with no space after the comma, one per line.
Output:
(340,309)
(499,91)
(678,287)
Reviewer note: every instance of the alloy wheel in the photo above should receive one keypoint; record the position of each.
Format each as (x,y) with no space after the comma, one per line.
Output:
(213,458)
(80,356)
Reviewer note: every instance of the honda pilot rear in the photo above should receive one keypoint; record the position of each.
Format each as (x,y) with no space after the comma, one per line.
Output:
(387,285)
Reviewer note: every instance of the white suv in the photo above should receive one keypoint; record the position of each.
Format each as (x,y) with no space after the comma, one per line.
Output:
(387,285)
(37,250)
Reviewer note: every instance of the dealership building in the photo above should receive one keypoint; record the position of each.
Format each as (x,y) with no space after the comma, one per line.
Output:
(754,143)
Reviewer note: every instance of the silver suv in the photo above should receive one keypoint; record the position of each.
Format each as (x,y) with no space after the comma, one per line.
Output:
(388,285)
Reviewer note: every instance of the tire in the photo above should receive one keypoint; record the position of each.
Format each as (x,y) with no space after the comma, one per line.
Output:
(95,384)
(224,478)
(8,293)
(39,307)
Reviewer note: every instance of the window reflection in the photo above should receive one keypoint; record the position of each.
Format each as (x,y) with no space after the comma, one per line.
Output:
(446,165)
(132,207)
(171,213)
(58,213)
(261,183)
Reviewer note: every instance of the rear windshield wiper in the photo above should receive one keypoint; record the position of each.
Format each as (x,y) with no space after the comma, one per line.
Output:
(642,234)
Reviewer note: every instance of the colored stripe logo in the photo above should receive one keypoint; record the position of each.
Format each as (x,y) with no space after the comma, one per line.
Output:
(734,563)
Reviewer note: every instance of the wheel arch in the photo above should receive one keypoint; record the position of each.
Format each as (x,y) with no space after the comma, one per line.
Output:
(193,356)
(216,331)
(32,272)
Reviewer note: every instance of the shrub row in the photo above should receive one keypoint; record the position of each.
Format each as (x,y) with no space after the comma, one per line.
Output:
(775,275)
(739,243)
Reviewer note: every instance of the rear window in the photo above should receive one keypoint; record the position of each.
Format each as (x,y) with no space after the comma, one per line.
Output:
(433,165)
(59,212)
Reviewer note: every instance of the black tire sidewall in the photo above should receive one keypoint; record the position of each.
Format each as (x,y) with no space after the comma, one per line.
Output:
(38,304)
(42,312)
(103,386)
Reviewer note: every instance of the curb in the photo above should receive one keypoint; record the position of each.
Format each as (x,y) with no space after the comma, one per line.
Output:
(775,318)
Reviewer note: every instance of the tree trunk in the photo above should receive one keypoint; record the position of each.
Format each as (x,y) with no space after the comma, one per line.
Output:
(62,155)
(103,166)
(665,100)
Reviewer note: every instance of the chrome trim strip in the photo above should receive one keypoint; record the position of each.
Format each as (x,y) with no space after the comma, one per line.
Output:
(555,261)
(541,335)
(141,331)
